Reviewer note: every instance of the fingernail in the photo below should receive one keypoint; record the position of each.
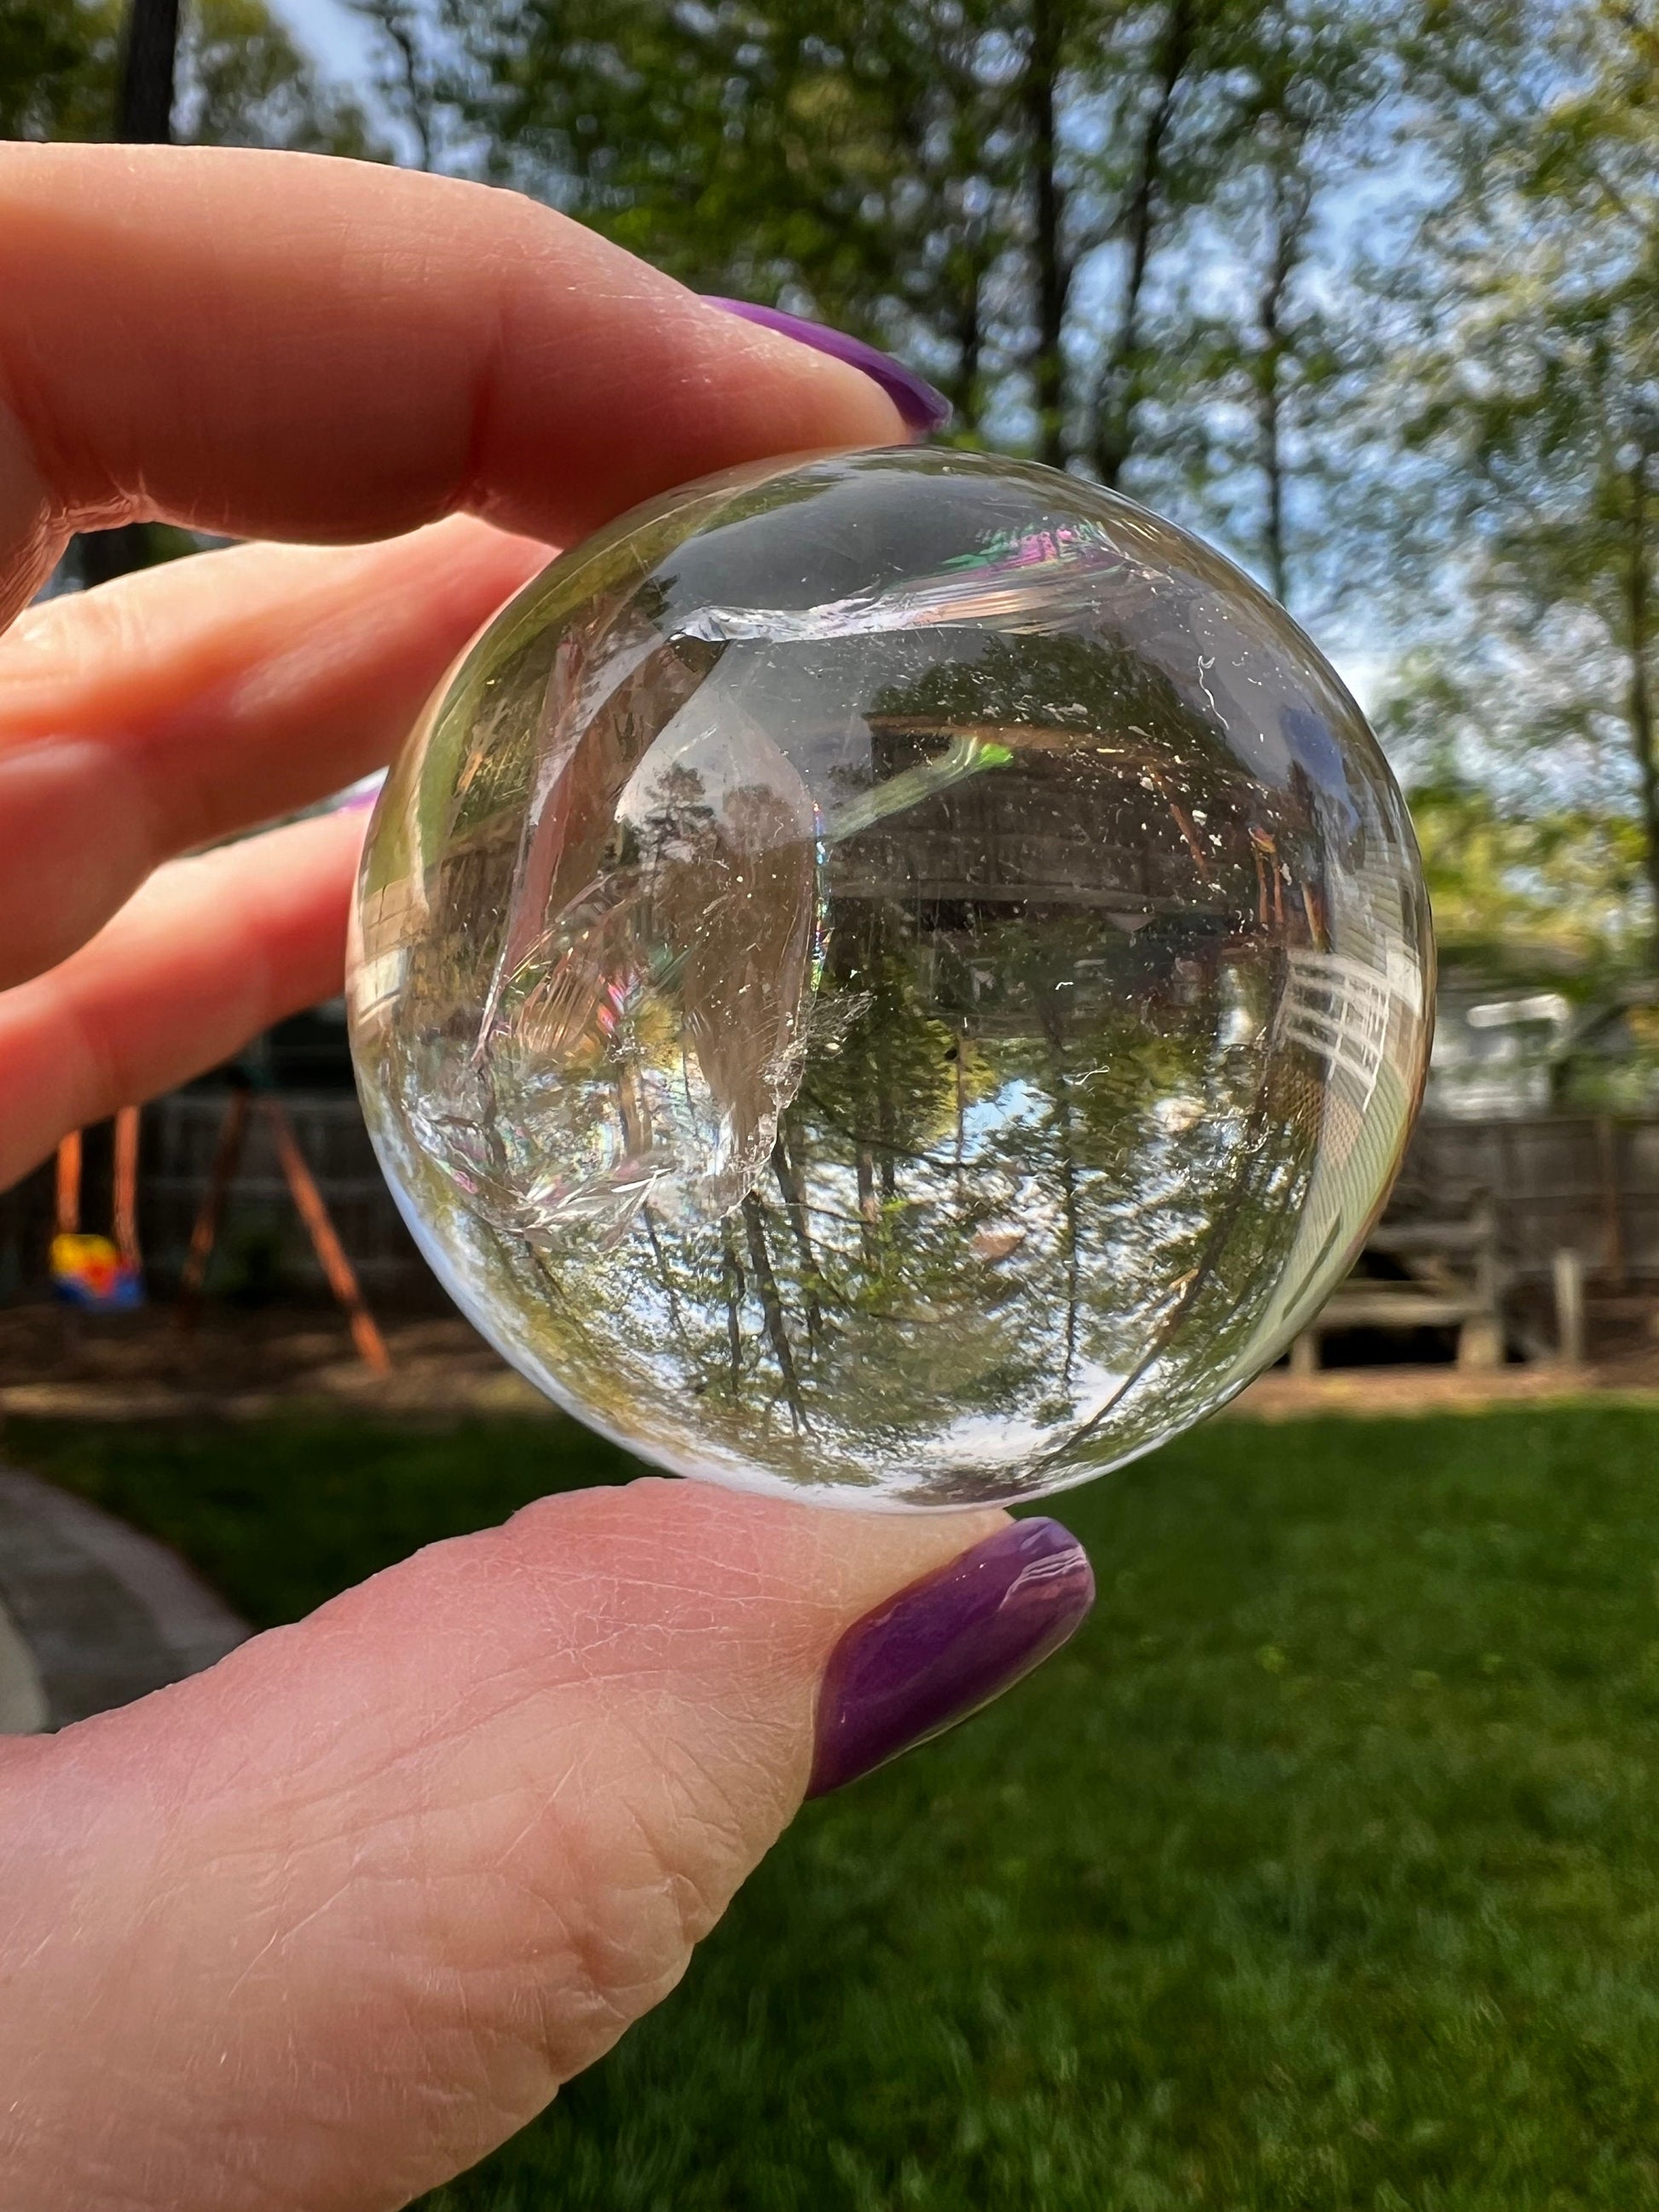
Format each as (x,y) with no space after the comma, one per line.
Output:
(946,1646)
(922,407)
(361,796)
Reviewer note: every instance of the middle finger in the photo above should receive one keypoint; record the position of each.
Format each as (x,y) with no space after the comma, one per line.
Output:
(180,705)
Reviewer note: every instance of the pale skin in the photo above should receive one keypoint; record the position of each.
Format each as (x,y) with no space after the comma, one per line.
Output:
(319,1928)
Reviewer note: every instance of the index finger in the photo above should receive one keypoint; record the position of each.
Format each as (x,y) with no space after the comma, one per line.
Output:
(280,345)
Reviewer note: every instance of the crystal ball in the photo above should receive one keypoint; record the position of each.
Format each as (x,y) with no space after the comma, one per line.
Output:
(897,978)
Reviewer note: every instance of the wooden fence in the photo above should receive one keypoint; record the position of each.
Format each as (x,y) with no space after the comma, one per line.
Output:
(1588,1184)
(1584,1183)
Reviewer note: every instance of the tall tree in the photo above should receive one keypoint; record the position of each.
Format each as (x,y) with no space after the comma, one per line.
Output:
(986,189)
(241,79)
(860,162)
(150,65)
(1246,425)
(1528,414)
(1146,199)
(146,86)
(57,68)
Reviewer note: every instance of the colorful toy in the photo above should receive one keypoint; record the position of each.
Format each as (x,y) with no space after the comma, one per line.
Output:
(100,1274)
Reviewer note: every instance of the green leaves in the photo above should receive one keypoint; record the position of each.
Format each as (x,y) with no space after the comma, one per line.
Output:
(1525,401)
(242,79)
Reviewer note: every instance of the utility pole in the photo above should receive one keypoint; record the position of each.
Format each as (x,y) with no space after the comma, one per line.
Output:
(143,117)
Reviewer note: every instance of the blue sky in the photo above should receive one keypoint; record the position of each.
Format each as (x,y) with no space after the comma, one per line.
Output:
(337,38)
(344,44)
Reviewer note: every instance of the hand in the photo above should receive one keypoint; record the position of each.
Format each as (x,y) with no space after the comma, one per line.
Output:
(320,1927)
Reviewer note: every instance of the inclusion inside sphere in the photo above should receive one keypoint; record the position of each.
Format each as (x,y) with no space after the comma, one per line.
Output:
(897,977)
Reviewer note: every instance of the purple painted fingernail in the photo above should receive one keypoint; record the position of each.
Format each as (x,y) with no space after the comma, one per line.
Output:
(922,407)
(361,796)
(946,1646)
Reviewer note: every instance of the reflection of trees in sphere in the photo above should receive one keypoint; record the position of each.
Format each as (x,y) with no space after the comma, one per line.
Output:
(901,977)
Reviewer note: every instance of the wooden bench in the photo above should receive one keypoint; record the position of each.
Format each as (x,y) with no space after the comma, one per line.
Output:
(1451,1279)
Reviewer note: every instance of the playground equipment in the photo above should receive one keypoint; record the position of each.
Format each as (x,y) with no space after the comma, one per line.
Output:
(308,1203)
(98,1273)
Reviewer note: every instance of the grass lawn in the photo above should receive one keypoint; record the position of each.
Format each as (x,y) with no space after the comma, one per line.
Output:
(1321,1871)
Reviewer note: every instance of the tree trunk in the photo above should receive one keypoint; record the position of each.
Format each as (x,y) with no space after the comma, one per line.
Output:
(869,1205)
(148,65)
(1066,1148)
(1048,367)
(731,1283)
(886,1135)
(1639,617)
(963,388)
(100,555)
(1289,216)
(396,23)
(1121,375)
(676,1320)
(143,117)
(777,1330)
(961,1104)
(1273,470)
(791,1184)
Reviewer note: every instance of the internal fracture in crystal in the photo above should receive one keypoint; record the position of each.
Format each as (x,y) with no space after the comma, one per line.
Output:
(899,978)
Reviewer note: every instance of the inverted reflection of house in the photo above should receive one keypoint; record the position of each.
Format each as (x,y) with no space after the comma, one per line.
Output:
(1060,816)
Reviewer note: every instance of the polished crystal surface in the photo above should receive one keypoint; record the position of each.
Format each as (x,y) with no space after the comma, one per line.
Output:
(897,977)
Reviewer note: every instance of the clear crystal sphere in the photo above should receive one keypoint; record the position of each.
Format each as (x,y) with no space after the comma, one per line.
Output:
(898,977)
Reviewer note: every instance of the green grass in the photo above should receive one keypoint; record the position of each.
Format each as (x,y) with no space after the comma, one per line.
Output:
(1321,1871)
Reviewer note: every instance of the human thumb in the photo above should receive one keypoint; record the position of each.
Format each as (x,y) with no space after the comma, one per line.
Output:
(319,1928)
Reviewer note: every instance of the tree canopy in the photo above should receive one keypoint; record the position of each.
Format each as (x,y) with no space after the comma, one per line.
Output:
(243,80)
(1364,290)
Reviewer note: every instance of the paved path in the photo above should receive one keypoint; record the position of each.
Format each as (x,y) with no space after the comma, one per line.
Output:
(91,1614)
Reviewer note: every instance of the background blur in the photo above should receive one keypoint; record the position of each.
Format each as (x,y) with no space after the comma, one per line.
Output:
(1364,290)
(1318,1874)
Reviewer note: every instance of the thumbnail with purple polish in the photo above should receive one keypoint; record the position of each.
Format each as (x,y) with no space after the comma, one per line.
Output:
(947,1645)
(922,407)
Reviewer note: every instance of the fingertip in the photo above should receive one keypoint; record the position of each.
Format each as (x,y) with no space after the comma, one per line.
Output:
(381,347)
(847,394)
(920,408)
(947,1644)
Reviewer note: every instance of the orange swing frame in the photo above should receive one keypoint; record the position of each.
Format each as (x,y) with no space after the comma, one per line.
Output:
(124,1227)
(308,1203)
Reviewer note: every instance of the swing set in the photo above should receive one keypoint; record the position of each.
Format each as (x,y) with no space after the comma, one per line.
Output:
(98,1274)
